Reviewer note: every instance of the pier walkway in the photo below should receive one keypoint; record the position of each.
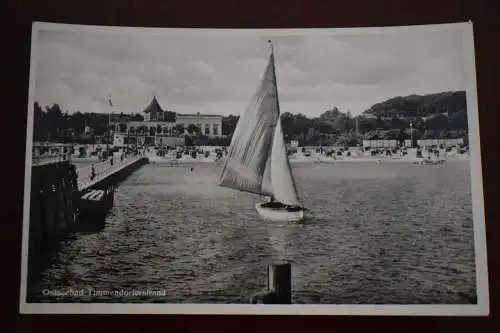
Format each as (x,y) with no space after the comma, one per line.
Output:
(46,154)
(103,170)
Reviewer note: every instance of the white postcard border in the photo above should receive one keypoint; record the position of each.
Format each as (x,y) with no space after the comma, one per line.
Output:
(479,309)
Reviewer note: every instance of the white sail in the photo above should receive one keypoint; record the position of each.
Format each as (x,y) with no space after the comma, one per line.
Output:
(257,160)
(282,182)
(266,178)
(252,139)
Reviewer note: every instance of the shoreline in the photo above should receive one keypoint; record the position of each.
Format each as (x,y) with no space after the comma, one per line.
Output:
(316,161)
(297,160)
(160,160)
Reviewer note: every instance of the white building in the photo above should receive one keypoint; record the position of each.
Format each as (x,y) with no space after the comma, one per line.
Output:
(165,127)
(380,143)
(439,142)
(209,124)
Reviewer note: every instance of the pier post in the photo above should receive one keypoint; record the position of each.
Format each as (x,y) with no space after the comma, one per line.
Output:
(279,286)
(280,281)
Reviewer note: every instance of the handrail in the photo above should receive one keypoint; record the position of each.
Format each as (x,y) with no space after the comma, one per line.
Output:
(103,169)
(50,158)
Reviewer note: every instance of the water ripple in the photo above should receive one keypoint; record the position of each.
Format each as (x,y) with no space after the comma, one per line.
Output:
(399,234)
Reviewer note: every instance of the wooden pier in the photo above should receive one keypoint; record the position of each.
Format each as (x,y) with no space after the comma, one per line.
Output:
(97,189)
(105,172)
(63,201)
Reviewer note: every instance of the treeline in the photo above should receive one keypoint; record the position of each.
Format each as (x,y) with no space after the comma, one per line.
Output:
(53,124)
(453,102)
(442,115)
(432,116)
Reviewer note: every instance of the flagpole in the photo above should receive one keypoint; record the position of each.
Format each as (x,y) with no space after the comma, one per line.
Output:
(109,115)
(109,124)
(411,133)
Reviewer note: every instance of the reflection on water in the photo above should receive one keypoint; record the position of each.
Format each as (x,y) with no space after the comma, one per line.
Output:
(376,233)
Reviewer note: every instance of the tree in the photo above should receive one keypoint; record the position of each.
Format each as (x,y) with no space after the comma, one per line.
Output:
(192,129)
(398,123)
(179,128)
(437,123)
(229,124)
(137,117)
(169,116)
(54,117)
(40,128)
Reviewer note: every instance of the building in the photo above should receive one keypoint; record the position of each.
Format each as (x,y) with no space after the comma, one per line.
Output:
(162,127)
(209,124)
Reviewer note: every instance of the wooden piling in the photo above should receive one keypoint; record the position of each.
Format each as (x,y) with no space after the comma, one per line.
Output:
(280,281)
(52,213)
(279,286)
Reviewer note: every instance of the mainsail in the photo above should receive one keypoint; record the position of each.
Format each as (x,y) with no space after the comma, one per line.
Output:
(257,160)
(250,146)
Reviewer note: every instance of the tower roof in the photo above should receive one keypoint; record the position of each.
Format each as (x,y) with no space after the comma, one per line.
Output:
(153,107)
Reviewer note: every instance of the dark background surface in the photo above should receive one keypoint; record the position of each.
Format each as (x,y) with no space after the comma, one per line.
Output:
(237,14)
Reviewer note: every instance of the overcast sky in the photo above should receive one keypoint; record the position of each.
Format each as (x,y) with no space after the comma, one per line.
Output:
(219,74)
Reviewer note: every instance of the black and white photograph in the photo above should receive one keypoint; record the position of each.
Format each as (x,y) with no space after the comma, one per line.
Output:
(264,171)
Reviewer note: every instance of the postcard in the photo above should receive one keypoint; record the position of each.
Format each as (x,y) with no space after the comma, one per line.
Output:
(253,171)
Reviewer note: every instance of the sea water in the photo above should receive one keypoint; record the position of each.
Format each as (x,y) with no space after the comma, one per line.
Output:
(376,233)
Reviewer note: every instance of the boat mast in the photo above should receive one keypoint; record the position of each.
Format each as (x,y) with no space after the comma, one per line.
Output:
(271,50)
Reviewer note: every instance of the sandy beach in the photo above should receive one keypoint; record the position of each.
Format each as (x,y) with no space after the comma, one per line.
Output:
(357,156)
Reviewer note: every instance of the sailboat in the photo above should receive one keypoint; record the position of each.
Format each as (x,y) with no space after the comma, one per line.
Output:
(257,160)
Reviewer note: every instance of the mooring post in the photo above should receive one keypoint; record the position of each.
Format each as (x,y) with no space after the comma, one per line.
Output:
(279,286)
(280,281)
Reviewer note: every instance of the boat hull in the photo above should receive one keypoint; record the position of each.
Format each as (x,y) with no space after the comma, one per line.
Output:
(279,214)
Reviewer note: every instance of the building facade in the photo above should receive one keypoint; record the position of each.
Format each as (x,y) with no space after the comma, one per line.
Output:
(162,127)
(209,125)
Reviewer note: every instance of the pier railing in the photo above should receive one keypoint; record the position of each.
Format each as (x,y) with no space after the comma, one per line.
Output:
(52,158)
(103,170)
(46,153)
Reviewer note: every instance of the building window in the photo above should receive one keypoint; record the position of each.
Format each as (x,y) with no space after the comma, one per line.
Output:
(207,129)
(215,129)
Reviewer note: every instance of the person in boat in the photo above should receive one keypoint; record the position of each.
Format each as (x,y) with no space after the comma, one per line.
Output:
(272,203)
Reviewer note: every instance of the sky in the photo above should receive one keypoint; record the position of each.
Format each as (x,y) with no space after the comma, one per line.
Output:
(218,74)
